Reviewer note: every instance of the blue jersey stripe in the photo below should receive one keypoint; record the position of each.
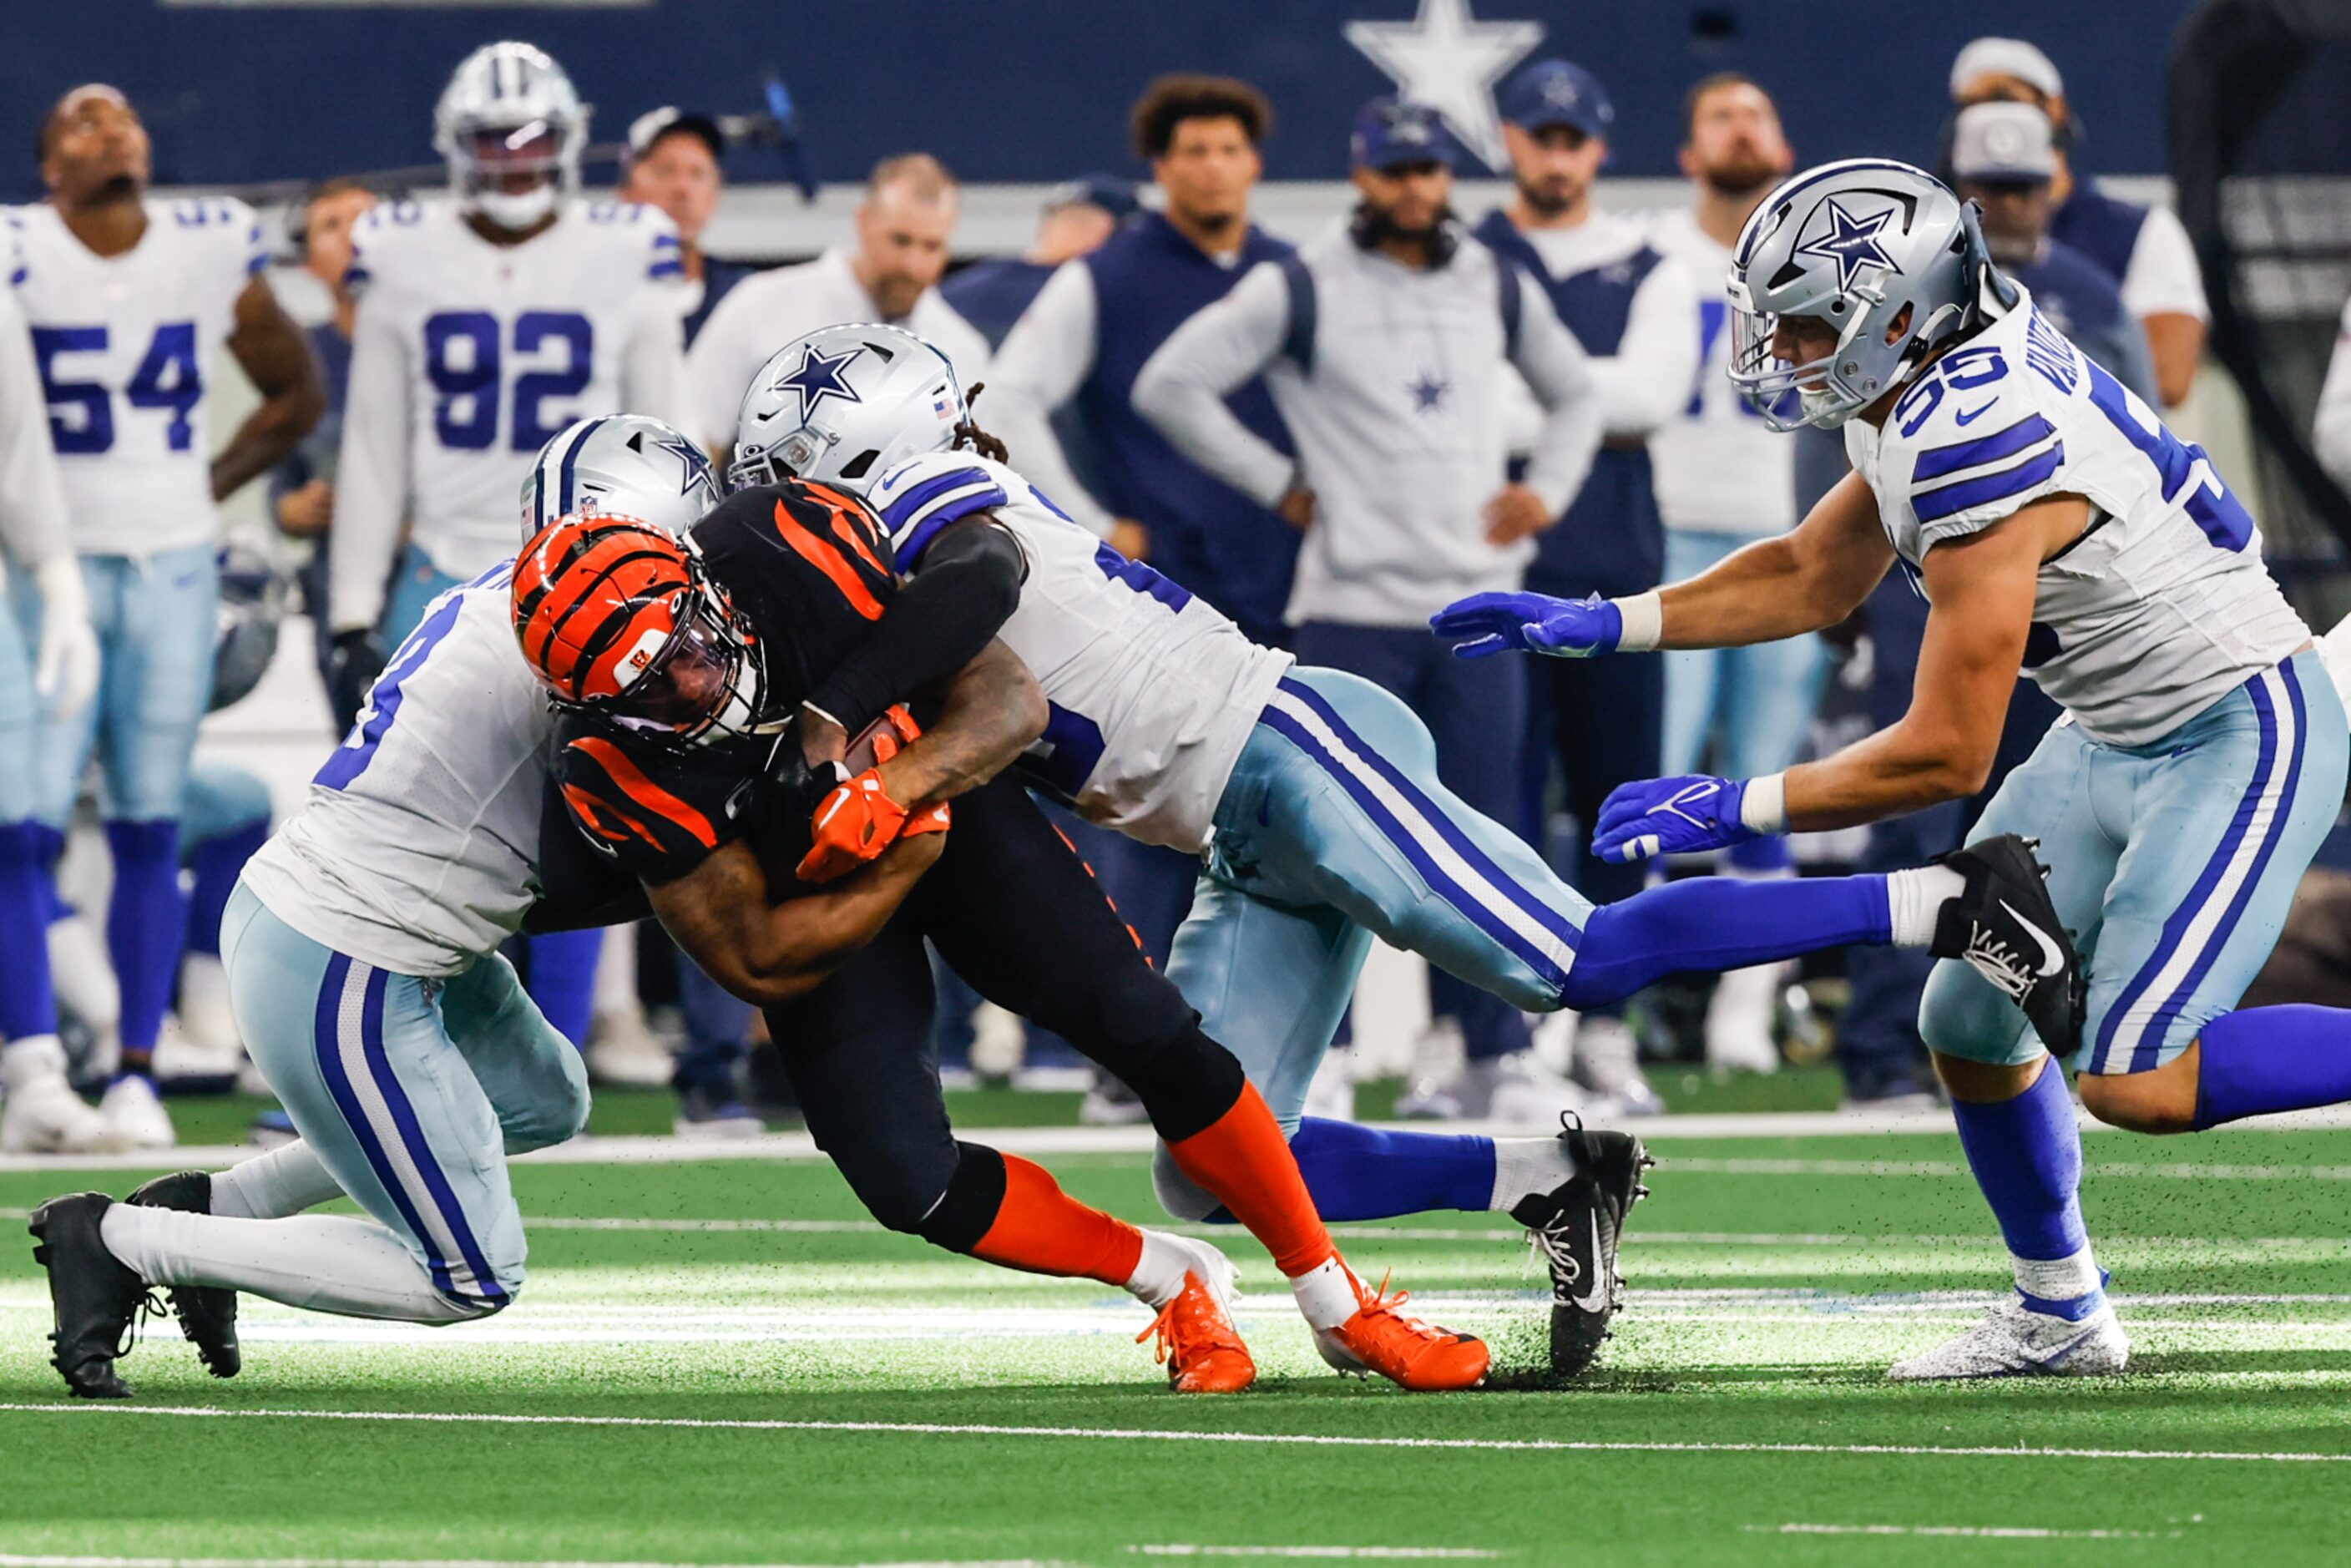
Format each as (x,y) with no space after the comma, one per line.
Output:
(1945,460)
(952,508)
(900,509)
(1950,498)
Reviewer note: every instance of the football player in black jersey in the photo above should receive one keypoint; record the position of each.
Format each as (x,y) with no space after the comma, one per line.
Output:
(696,671)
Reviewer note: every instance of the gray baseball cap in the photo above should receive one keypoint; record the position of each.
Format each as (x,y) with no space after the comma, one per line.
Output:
(2003,144)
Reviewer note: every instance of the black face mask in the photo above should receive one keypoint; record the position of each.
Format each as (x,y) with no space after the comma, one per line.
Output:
(1372,226)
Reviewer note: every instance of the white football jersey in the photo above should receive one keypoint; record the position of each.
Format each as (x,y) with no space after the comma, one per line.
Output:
(418,849)
(123,343)
(2161,607)
(1153,692)
(498,347)
(1718,466)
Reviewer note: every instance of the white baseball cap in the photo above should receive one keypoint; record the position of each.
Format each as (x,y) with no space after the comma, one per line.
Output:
(2006,58)
(2003,143)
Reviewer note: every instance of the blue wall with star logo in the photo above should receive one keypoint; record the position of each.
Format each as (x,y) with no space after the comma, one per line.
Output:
(1038,89)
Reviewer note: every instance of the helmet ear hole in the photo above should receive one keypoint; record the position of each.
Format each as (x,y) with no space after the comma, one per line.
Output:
(861,465)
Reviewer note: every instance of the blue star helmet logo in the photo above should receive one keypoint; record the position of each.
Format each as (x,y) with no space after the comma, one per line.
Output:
(695,466)
(817,378)
(1850,243)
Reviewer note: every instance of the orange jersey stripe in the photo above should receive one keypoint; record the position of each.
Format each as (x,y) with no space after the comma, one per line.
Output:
(591,810)
(849,520)
(645,792)
(821,555)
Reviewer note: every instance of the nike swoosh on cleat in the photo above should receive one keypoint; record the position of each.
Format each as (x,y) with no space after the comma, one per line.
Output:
(2053,956)
(1598,1300)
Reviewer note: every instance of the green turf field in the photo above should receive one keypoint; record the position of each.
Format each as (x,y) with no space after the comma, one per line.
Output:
(722,1363)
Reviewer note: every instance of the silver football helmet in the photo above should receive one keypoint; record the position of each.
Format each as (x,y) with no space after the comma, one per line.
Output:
(1857,243)
(252,605)
(844,404)
(621,465)
(512,128)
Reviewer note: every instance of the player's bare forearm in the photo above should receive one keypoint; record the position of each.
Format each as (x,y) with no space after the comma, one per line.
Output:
(1982,588)
(275,355)
(767,953)
(1804,580)
(993,710)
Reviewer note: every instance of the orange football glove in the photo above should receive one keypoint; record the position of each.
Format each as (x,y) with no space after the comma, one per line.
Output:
(853,823)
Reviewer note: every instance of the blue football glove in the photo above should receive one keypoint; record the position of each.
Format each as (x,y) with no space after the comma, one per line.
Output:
(1487,623)
(1671,816)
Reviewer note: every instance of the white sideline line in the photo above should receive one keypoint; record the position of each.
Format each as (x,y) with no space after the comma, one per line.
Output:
(18,1560)
(1146,1434)
(1987,1531)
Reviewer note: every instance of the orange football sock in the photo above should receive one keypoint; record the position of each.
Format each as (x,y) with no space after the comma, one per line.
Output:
(1244,1160)
(1044,1230)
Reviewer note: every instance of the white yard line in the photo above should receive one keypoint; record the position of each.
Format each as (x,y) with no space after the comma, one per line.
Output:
(1144,1435)
(670,1150)
(21,1559)
(1987,1531)
(1182,1549)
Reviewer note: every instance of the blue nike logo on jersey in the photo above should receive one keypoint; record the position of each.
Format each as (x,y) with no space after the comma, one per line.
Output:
(1973,414)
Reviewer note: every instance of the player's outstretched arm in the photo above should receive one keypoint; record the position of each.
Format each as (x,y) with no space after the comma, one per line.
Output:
(1799,582)
(275,355)
(1804,580)
(1982,590)
(767,953)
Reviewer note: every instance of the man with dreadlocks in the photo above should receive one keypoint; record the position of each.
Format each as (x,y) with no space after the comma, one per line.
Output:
(1314,799)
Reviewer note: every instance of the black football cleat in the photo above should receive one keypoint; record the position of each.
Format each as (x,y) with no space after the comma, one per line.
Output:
(2006,928)
(92,1297)
(207,1314)
(1577,1226)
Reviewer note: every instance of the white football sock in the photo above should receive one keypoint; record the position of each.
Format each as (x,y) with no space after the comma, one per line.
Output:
(34,1056)
(1158,1277)
(1326,1295)
(1524,1167)
(287,1180)
(326,1262)
(2058,1278)
(1915,897)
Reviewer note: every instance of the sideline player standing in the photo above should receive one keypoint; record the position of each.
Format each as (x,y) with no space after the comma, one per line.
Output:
(39,1112)
(1635,313)
(486,326)
(126,297)
(1722,482)
(2055,526)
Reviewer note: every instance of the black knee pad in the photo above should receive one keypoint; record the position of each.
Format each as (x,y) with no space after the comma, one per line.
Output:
(1186,1085)
(974,1196)
(899,1191)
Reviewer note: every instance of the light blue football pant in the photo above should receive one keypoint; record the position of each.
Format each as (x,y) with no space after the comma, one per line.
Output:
(156,622)
(1754,704)
(2174,864)
(1333,829)
(412,1092)
(20,715)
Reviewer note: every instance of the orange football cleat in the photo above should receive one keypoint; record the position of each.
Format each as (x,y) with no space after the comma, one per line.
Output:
(1198,1343)
(1405,1351)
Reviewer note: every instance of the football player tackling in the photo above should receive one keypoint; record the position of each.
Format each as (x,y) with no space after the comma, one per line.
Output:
(1314,798)
(2057,528)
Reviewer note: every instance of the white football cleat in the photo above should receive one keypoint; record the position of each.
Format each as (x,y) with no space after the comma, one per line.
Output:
(42,1115)
(1331,1094)
(180,1054)
(624,1052)
(131,1107)
(1739,1020)
(203,1009)
(2014,1341)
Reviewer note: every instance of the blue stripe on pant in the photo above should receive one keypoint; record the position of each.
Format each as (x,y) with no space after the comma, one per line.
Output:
(2176,904)
(1474,711)
(1333,827)
(413,1091)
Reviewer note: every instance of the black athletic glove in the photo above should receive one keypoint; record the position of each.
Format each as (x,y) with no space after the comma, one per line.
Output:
(353,662)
